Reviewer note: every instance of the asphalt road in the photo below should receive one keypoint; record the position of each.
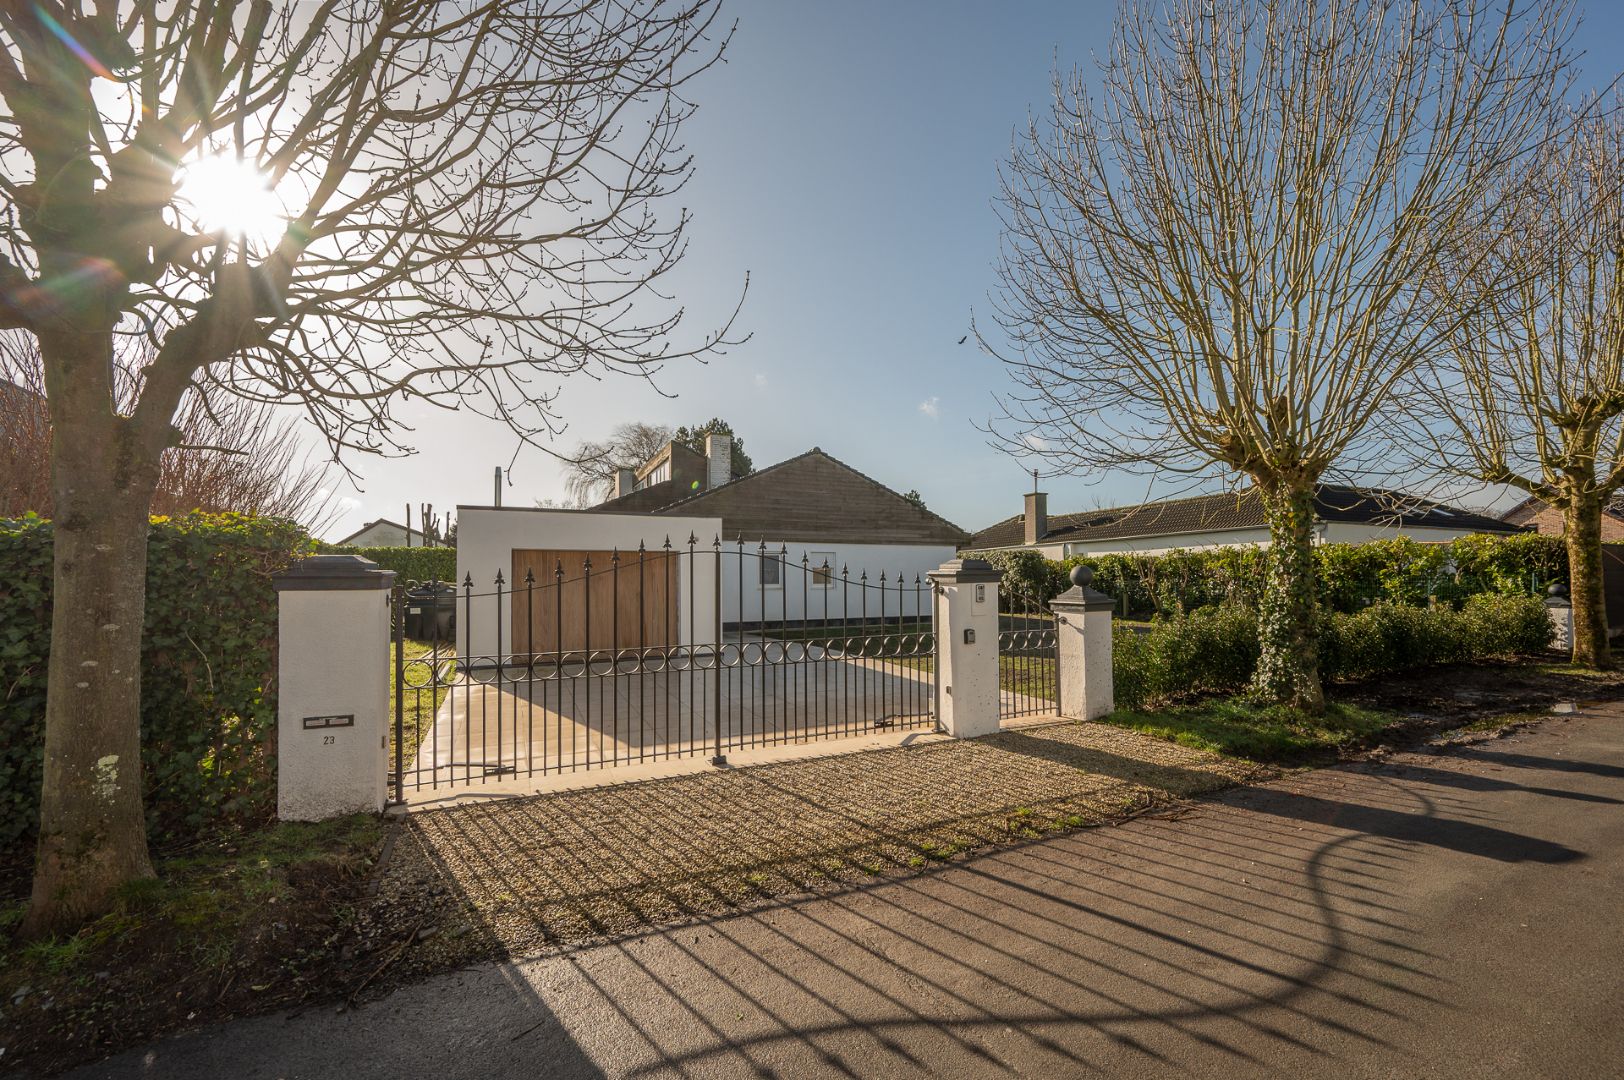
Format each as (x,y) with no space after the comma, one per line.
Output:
(1452,915)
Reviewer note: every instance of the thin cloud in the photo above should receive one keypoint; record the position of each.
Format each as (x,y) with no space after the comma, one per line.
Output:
(761,381)
(931,407)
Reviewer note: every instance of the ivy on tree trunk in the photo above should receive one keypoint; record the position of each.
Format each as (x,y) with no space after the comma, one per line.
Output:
(1288,661)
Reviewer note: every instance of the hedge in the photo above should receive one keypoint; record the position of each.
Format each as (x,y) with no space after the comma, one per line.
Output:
(208,665)
(410,563)
(1351,576)
(1216,650)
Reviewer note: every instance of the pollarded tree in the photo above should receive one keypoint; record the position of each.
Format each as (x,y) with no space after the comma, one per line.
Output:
(345,206)
(1217,265)
(1531,394)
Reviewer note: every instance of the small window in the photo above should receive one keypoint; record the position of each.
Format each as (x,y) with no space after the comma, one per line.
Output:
(771,571)
(823,568)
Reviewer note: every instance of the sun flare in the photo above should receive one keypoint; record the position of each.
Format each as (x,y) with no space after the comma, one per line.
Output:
(225,194)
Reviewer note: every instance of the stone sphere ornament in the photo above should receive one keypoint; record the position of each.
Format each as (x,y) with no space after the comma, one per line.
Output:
(1081,576)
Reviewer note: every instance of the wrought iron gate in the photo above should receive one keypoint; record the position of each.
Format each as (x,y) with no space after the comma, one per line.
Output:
(639,656)
(1028,656)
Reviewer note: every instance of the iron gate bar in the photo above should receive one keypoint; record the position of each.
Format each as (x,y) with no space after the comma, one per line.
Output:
(794,681)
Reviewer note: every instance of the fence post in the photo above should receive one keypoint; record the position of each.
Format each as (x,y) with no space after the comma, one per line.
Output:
(1083,648)
(333,716)
(966,647)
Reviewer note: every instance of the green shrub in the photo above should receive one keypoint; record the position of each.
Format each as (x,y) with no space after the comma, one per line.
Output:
(1216,651)
(1206,652)
(208,667)
(1350,577)
(409,563)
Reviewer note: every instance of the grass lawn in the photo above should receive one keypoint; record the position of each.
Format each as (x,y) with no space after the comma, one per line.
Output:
(238,923)
(1238,728)
(421,705)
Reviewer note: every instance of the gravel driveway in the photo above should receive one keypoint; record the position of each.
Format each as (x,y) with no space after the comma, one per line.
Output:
(515,877)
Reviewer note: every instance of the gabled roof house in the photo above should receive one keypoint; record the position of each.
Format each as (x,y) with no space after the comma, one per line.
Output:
(1342,514)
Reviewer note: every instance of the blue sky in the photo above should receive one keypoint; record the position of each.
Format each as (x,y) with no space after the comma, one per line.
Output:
(846,158)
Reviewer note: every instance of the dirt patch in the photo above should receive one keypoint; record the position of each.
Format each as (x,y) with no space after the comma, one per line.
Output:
(1437,699)
(231,928)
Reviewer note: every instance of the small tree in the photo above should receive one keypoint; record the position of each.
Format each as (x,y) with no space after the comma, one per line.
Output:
(1218,266)
(1531,394)
(349,207)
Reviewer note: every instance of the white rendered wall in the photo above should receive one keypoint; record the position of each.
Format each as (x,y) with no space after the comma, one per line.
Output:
(790,602)
(487,538)
(1347,532)
(334,661)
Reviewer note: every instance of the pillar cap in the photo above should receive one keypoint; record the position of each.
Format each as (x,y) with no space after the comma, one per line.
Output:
(323,573)
(1082,598)
(964,570)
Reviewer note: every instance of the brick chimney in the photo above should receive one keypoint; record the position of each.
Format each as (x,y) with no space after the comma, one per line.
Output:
(1037,516)
(718,460)
(625,482)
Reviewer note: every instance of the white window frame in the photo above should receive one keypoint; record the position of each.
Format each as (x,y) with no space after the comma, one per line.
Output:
(816,561)
(770,559)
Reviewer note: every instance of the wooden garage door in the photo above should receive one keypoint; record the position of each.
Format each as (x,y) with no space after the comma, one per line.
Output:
(627,606)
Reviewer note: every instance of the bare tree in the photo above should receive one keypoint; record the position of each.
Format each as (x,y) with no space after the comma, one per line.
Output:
(345,206)
(589,473)
(1216,267)
(232,455)
(1531,394)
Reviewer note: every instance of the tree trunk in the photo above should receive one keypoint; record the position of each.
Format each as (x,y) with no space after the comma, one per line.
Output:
(1288,664)
(1581,528)
(92,828)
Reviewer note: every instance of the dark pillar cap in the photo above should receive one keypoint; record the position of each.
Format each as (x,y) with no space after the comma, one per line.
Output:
(321,573)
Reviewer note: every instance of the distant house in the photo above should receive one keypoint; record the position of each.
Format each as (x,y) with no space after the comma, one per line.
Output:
(1531,513)
(382,533)
(1341,515)
(776,544)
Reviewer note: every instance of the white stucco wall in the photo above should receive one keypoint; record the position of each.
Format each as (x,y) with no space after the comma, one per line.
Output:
(1332,532)
(486,539)
(334,660)
(789,601)
(1340,532)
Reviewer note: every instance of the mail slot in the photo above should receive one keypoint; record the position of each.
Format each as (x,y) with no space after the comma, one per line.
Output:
(345,720)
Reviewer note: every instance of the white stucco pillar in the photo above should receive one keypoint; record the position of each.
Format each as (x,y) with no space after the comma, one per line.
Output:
(332,687)
(1560,609)
(966,647)
(1083,630)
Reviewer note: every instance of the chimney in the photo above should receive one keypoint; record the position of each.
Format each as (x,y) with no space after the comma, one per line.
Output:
(718,460)
(625,482)
(1037,516)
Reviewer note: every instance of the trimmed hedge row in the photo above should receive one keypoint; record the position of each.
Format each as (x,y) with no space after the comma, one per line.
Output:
(410,563)
(1350,576)
(208,667)
(1215,651)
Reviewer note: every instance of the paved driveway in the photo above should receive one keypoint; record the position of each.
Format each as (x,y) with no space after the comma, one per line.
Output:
(1433,916)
